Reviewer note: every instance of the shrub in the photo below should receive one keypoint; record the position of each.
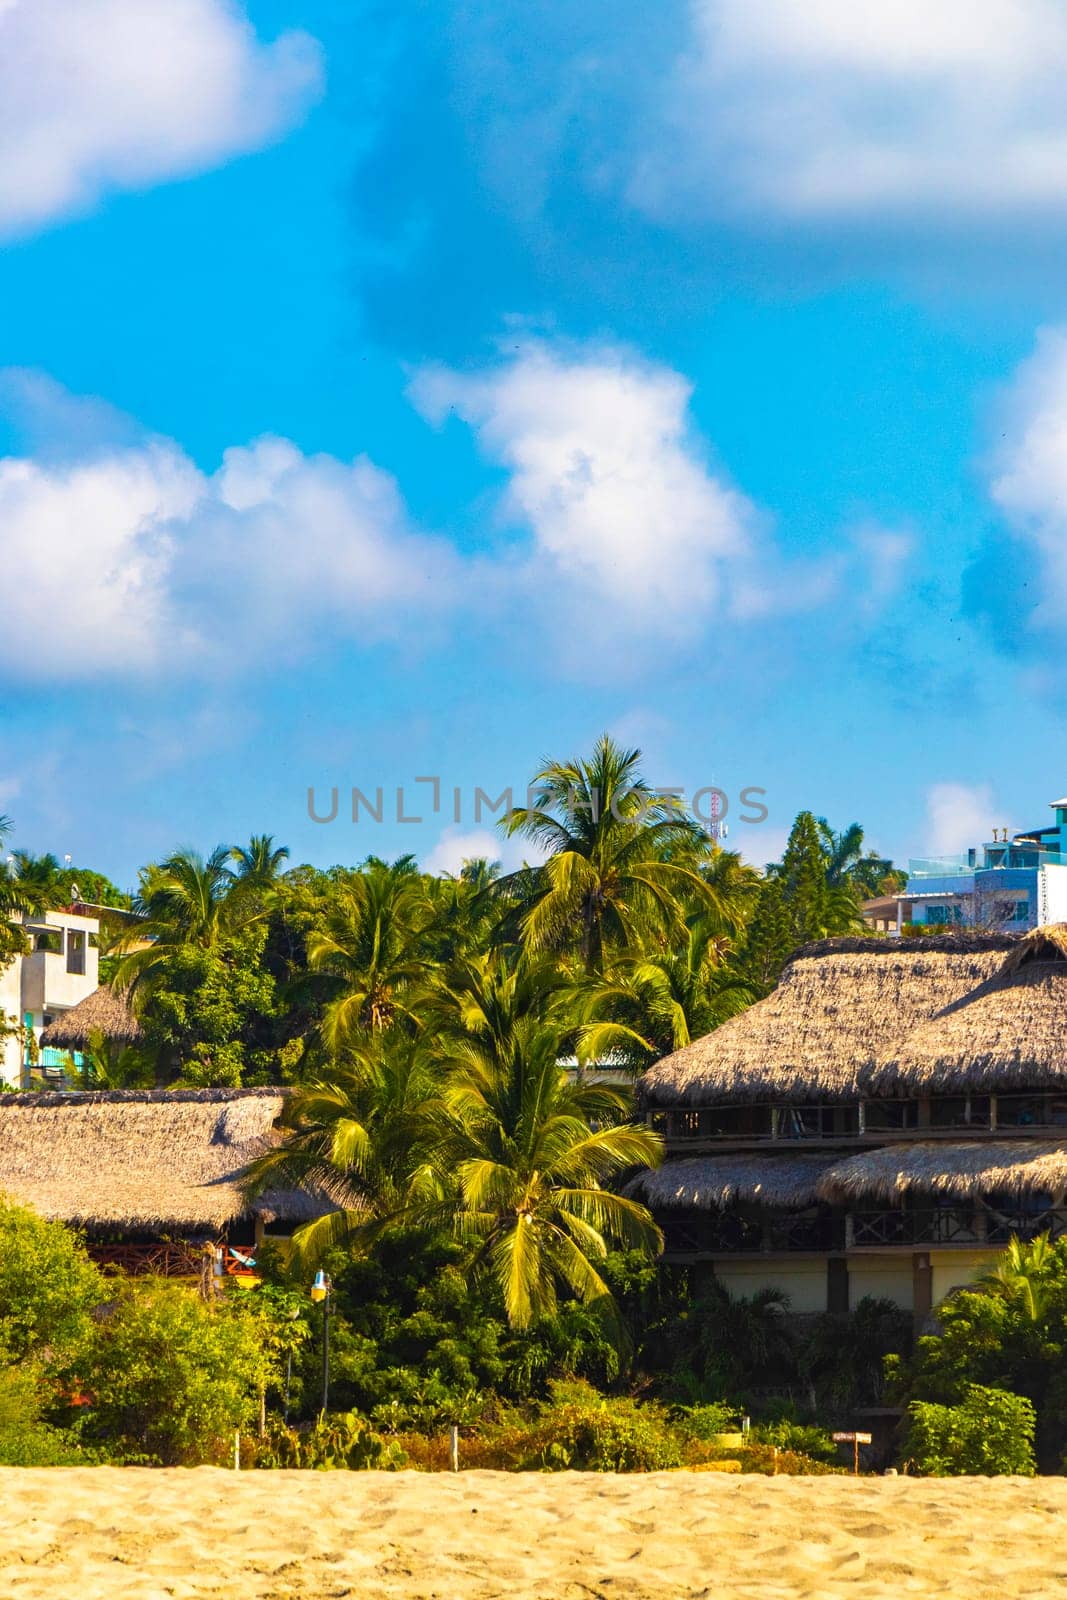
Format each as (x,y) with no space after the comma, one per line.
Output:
(171,1378)
(339,1442)
(800,1438)
(990,1432)
(25,1440)
(704,1422)
(48,1285)
(580,1429)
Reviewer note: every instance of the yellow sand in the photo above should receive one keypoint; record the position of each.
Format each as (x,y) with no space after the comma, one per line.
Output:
(76,1534)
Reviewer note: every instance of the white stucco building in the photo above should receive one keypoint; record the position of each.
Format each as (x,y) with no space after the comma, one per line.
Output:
(60,968)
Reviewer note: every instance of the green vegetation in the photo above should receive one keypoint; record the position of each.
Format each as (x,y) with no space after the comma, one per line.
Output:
(447,1040)
(990,1432)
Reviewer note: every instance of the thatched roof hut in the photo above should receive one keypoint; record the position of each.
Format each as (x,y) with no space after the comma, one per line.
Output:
(144,1161)
(105,1011)
(709,1183)
(1009,1032)
(948,1171)
(840,1004)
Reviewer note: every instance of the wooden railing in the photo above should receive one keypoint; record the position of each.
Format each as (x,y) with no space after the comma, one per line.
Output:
(711,1234)
(950,1226)
(168,1258)
(172,1258)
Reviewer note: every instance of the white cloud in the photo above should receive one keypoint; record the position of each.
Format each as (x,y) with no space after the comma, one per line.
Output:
(958,817)
(832,108)
(132,560)
(455,846)
(608,476)
(121,94)
(86,553)
(1030,478)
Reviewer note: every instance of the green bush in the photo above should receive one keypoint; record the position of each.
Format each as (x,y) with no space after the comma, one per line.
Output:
(800,1438)
(172,1378)
(704,1422)
(338,1442)
(48,1285)
(580,1429)
(25,1440)
(990,1432)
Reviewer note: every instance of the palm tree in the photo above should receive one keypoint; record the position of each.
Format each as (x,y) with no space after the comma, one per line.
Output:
(1026,1273)
(655,1003)
(38,880)
(530,1153)
(481,999)
(187,897)
(260,861)
(364,1137)
(848,864)
(184,900)
(371,949)
(622,858)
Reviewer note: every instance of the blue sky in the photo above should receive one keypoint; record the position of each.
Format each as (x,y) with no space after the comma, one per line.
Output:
(417,390)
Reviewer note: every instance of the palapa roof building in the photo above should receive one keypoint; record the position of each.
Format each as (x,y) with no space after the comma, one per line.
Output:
(882,1123)
(840,1004)
(152,1161)
(106,1011)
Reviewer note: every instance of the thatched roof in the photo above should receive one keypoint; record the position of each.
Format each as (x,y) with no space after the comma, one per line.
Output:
(1009,1032)
(715,1181)
(838,1007)
(952,1171)
(105,1011)
(143,1160)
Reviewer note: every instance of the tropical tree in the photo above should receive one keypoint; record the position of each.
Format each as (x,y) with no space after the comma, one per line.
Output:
(259,863)
(38,881)
(848,863)
(187,898)
(1029,1274)
(371,949)
(652,1004)
(364,1137)
(623,860)
(530,1154)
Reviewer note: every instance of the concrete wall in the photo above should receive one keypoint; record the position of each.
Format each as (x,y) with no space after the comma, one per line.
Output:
(802,1279)
(10,1012)
(880,1278)
(955,1269)
(40,983)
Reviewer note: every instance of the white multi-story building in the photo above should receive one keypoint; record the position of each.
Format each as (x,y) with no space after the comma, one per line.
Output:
(60,968)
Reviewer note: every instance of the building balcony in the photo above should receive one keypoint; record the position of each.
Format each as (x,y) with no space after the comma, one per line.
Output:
(705,1236)
(1018,1114)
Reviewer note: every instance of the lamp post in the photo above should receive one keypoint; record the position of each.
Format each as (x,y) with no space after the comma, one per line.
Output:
(320,1293)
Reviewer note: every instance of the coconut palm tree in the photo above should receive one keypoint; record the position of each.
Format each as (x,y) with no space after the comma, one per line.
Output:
(259,862)
(531,1154)
(652,1004)
(481,999)
(38,880)
(185,900)
(1027,1273)
(364,1137)
(622,859)
(371,949)
(187,897)
(847,863)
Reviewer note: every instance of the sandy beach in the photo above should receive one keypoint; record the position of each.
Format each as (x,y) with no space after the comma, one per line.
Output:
(174,1535)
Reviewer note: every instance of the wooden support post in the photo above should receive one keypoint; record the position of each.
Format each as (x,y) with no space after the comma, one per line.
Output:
(453,1450)
(922,1276)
